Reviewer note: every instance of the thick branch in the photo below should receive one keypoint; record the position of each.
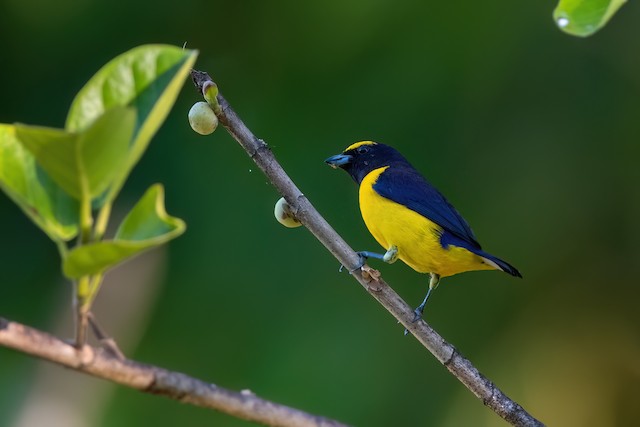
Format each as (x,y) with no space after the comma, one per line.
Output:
(459,366)
(151,379)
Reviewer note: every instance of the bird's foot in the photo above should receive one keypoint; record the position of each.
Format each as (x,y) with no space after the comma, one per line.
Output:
(363,255)
(361,263)
(417,315)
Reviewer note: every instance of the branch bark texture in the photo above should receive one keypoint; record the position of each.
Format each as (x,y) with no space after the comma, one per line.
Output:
(302,208)
(155,380)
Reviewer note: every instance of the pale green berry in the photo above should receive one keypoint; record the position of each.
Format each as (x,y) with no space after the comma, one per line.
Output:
(202,118)
(283,214)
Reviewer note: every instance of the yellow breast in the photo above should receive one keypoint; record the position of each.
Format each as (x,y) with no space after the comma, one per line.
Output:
(416,237)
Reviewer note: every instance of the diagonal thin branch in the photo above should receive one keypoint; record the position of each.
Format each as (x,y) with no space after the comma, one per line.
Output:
(304,211)
(155,380)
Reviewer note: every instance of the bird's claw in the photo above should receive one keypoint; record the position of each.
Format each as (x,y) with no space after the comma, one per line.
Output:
(363,261)
(417,315)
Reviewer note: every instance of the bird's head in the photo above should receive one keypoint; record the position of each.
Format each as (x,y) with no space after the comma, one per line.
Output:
(363,157)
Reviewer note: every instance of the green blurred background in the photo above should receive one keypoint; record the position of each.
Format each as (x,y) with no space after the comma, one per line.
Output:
(533,135)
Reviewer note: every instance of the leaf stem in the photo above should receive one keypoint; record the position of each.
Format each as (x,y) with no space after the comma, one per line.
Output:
(102,221)
(86,220)
(62,248)
(94,287)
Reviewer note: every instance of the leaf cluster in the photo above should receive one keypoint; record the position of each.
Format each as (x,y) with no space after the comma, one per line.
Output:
(66,180)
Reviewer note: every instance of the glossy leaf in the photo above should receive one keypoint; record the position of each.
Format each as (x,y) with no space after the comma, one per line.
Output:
(148,78)
(584,17)
(147,226)
(84,164)
(31,188)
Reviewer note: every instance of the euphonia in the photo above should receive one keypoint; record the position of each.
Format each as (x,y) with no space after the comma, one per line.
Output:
(410,218)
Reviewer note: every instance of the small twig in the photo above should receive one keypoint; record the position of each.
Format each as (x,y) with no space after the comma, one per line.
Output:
(155,380)
(303,210)
(105,340)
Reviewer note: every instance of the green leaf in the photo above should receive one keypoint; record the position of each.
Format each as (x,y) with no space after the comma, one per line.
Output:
(148,78)
(41,199)
(584,17)
(147,226)
(84,164)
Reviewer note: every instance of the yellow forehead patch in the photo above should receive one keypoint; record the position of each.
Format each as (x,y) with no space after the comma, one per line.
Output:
(358,144)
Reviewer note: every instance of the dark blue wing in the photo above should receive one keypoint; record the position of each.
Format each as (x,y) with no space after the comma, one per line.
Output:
(404,185)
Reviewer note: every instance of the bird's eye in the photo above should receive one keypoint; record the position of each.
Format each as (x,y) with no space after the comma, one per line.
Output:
(362,149)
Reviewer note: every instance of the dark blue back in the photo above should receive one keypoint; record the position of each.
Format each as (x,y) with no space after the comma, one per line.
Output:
(402,184)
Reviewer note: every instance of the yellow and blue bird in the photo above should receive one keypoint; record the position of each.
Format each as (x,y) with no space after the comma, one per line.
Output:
(410,218)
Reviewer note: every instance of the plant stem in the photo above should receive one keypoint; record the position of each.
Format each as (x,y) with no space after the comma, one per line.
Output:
(83,289)
(62,249)
(86,220)
(86,291)
(107,342)
(94,287)
(102,222)
(82,292)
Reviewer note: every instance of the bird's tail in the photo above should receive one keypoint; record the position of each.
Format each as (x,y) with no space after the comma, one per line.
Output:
(499,264)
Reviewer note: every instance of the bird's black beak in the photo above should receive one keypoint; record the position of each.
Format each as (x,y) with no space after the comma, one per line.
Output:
(338,160)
